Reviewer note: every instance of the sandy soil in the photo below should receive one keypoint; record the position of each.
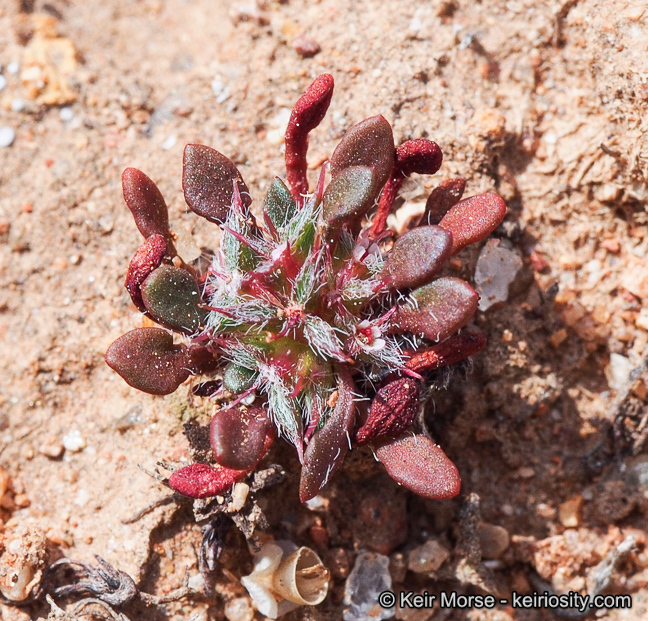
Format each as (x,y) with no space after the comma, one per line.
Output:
(544,103)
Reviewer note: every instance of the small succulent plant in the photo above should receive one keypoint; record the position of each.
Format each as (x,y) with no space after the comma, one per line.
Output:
(319,324)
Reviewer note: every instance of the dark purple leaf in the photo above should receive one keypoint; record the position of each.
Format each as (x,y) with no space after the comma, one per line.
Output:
(240,438)
(207,180)
(203,481)
(446,195)
(149,361)
(369,143)
(328,447)
(420,465)
(171,296)
(437,310)
(146,203)
(148,257)
(416,257)
(473,218)
(393,411)
(306,116)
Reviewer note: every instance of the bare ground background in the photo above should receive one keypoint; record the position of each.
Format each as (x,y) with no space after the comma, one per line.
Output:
(544,103)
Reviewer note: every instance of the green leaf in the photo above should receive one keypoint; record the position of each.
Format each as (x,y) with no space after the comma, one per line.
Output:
(279,206)
(172,296)
(349,196)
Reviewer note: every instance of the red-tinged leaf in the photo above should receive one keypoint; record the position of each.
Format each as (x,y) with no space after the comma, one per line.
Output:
(148,257)
(369,143)
(203,481)
(349,196)
(149,361)
(442,198)
(473,219)
(328,447)
(420,156)
(172,297)
(393,411)
(240,438)
(207,181)
(456,348)
(416,257)
(306,116)
(437,310)
(146,203)
(420,465)
(201,359)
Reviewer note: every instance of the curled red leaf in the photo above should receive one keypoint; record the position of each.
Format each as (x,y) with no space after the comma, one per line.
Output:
(393,411)
(148,257)
(457,347)
(203,481)
(420,156)
(305,117)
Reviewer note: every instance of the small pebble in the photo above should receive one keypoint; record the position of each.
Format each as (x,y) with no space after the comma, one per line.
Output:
(496,269)
(66,114)
(221,91)
(13,68)
(368,579)
(305,46)
(618,371)
(239,609)
(74,441)
(7,136)
(493,539)
(569,512)
(106,224)
(18,105)
(3,82)
(428,557)
(169,142)
(51,448)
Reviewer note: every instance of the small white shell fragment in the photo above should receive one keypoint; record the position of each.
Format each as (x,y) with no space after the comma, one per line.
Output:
(286,577)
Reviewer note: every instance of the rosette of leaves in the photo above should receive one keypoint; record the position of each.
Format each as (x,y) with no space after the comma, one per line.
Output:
(320,324)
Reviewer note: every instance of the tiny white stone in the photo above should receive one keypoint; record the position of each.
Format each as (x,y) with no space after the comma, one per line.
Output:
(66,114)
(221,91)
(18,105)
(169,142)
(7,136)
(74,441)
(3,82)
(13,68)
